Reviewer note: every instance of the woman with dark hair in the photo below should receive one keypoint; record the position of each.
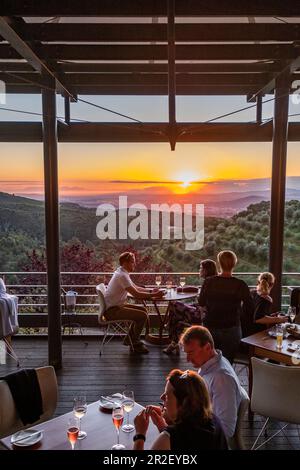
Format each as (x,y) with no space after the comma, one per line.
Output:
(186,421)
(183,315)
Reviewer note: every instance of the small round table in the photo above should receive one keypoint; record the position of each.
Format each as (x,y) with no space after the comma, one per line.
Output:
(171,296)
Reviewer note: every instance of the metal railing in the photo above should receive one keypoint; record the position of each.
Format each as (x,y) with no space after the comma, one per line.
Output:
(32,296)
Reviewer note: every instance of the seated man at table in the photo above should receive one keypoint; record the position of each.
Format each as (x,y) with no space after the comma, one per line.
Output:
(115,299)
(222,382)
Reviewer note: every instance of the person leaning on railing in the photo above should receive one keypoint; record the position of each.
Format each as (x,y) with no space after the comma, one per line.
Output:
(186,421)
(115,299)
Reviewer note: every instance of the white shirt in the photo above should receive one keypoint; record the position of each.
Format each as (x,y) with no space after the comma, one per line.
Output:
(224,389)
(116,293)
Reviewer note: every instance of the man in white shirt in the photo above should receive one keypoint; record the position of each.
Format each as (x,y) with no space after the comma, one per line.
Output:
(115,299)
(222,382)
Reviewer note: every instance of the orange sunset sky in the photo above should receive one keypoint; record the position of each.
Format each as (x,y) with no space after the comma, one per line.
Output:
(95,168)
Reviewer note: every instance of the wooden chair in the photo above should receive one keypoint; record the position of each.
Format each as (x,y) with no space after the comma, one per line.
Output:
(9,418)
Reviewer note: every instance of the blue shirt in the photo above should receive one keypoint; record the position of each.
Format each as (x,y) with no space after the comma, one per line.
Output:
(224,389)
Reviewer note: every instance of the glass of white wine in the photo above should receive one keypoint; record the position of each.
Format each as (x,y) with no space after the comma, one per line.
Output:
(128,405)
(79,410)
(158,280)
(182,281)
(292,313)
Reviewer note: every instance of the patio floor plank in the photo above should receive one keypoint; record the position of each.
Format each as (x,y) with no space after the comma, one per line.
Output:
(84,371)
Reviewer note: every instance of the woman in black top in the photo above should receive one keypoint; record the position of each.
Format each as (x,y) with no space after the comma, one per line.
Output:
(224,297)
(186,422)
(182,315)
(263,318)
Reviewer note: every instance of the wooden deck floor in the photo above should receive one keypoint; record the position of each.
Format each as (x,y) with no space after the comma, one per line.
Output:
(84,371)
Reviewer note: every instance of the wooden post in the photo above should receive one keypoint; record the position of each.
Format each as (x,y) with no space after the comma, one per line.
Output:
(67,109)
(171,74)
(280,135)
(52,225)
(259,109)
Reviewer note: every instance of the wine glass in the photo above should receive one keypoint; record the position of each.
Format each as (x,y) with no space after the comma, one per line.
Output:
(118,417)
(182,281)
(158,280)
(73,430)
(292,313)
(128,404)
(79,410)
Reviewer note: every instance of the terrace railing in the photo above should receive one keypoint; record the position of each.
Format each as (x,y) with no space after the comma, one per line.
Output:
(31,290)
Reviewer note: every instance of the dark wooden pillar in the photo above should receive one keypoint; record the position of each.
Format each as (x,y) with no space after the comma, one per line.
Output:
(67,109)
(171,73)
(280,135)
(259,109)
(52,225)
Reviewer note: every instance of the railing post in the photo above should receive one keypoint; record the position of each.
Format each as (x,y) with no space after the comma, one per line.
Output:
(52,224)
(280,136)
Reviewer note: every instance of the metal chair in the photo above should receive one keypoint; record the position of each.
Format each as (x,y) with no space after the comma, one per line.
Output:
(112,327)
(275,395)
(236,442)
(9,418)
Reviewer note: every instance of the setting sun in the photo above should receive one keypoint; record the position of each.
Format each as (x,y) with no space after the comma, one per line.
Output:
(185,183)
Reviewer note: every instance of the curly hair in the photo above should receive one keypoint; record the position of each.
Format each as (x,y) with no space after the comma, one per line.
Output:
(265,282)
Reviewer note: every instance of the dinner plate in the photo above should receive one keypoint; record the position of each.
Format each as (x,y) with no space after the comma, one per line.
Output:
(273,334)
(109,402)
(26,437)
(293,347)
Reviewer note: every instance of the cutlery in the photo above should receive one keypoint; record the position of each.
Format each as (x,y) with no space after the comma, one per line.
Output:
(109,400)
(27,437)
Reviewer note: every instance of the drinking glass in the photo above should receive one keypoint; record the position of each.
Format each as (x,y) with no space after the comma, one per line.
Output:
(128,404)
(292,313)
(118,417)
(73,430)
(79,410)
(182,281)
(279,336)
(158,280)
(169,284)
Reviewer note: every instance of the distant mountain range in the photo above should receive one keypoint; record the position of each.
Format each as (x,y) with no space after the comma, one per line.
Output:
(221,198)
(217,205)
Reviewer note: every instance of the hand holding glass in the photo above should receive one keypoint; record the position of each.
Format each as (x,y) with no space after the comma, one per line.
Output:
(80,409)
(118,417)
(73,430)
(128,404)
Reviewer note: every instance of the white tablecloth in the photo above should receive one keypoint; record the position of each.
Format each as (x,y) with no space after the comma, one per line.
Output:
(8,315)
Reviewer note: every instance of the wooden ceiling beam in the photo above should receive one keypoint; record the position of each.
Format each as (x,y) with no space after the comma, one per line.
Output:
(157,52)
(148,132)
(147,32)
(149,8)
